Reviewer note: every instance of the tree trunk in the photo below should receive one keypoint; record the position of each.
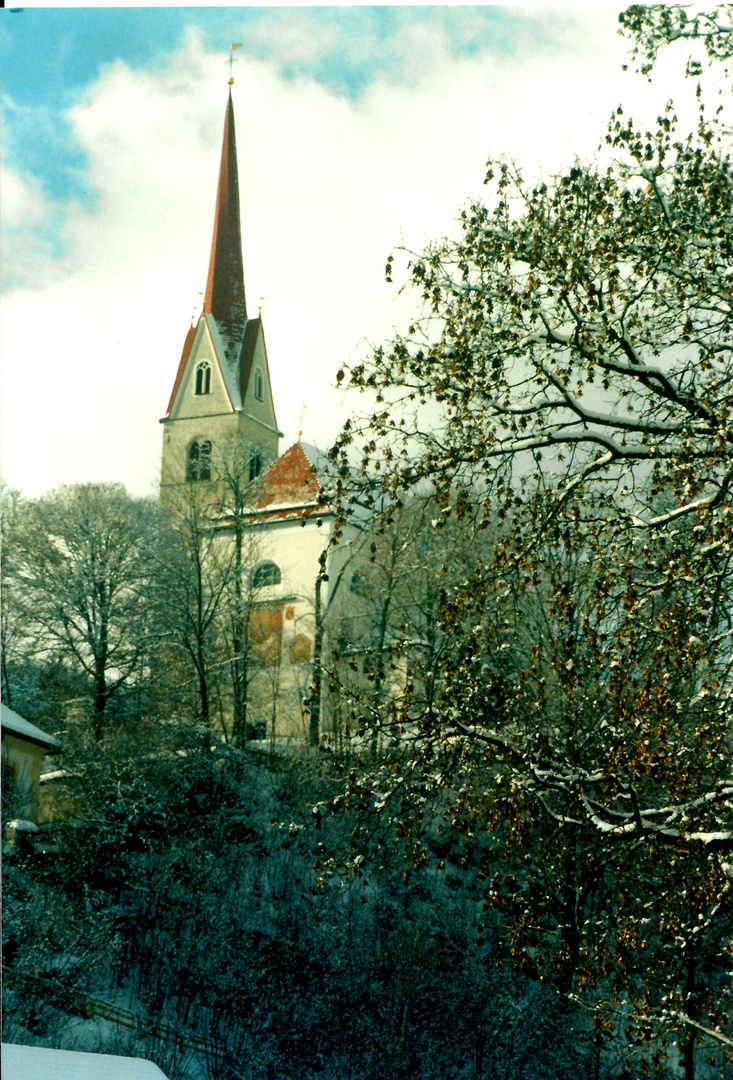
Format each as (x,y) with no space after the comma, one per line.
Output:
(100,666)
(5,691)
(199,652)
(100,700)
(204,697)
(688,1055)
(239,660)
(688,1050)
(314,724)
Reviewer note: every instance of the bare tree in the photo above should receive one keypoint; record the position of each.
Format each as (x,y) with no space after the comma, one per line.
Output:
(13,633)
(82,567)
(385,632)
(191,582)
(237,468)
(207,583)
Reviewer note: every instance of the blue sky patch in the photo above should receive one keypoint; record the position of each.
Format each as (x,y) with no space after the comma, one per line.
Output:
(50,55)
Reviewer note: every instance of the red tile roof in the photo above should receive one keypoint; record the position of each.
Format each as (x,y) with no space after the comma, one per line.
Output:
(288,490)
(290,482)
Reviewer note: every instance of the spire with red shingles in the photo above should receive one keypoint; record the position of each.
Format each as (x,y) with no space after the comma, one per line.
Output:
(224,297)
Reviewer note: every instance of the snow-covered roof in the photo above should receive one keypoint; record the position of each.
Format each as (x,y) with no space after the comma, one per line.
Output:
(229,366)
(318,461)
(40,1063)
(329,479)
(16,725)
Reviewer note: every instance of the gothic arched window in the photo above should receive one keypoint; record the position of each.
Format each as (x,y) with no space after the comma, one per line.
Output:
(203,378)
(198,465)
(267,573)
(259,385)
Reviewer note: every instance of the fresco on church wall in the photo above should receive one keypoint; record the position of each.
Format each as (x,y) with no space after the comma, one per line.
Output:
(265,634)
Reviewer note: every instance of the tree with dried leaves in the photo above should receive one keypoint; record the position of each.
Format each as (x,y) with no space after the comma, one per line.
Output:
(652,27)
(570,376)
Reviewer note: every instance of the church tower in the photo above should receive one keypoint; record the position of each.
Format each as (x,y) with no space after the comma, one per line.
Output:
(221,402)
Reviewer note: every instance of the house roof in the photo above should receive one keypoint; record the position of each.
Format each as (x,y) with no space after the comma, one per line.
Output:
(23,729)
(186,352)
(32,1062)
(291,480)
(290,488)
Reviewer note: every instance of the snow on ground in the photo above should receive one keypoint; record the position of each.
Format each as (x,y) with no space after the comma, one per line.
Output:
(34,1062)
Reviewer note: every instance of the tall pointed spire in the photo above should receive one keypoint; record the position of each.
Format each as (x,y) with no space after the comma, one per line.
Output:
(224,297)
(223,377)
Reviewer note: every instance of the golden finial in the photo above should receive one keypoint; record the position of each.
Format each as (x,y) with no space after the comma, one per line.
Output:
(300,422)
(259,309)
(231,61)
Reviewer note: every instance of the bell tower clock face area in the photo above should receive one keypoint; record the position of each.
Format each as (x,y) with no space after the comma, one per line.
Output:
(222,392)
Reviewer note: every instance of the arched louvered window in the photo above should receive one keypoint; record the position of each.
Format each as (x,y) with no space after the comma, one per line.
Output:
(259,385)
(267,573)
(198,465)
(203,378)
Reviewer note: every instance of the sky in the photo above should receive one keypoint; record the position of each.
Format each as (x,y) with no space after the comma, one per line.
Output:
(360,130)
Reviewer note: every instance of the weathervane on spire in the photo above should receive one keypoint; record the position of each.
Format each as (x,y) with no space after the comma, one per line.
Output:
(231,61)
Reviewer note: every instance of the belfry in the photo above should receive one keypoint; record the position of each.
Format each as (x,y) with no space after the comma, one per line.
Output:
(222,393)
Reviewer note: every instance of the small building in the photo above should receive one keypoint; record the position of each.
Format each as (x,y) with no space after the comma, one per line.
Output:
(24,747)
(41,1063)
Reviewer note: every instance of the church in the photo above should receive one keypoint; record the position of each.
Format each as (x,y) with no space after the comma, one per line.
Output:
(221,443)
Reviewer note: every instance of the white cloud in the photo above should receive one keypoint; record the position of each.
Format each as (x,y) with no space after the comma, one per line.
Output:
(23,198)
(28,241)
(329,185)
